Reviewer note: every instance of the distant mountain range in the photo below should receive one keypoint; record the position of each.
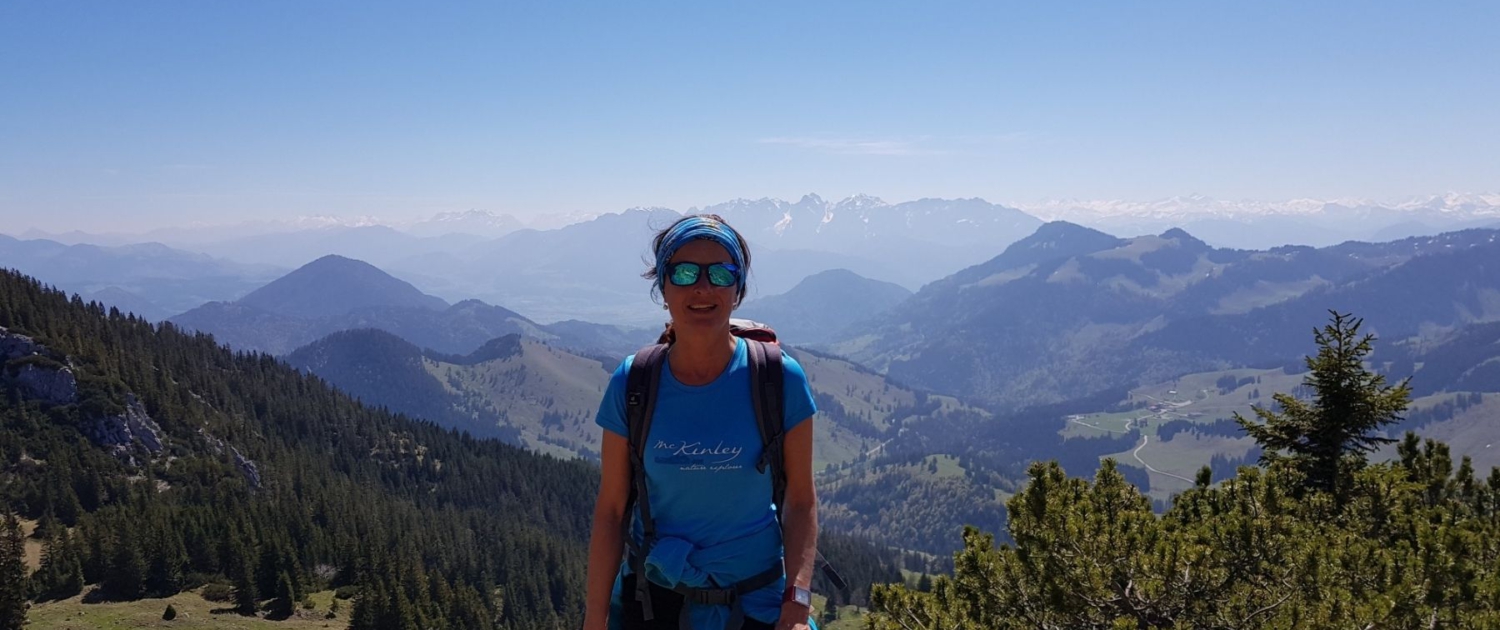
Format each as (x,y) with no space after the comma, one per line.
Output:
(1261,225)
(149,279)
(823,305)
(334,294)
(919,241)
(589,269)
(472,222)
(1071,311)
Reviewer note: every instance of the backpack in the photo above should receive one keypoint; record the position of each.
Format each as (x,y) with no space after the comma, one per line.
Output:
(766,381)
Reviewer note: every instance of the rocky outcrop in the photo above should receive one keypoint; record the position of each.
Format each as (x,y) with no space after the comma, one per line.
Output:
(16,345)
(126,434)
(38,372)
(247,466)
(54,386)
(44,375)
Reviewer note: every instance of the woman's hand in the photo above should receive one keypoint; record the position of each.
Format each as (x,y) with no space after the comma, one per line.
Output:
(793,617)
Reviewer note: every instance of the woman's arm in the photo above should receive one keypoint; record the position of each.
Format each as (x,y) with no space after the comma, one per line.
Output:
(605,543)
(800,520)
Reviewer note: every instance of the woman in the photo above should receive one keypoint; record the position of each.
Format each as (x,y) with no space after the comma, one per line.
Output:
(715,528)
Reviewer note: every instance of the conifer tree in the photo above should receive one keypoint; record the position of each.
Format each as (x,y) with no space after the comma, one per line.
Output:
(246,597)
(164,573)
(61,573)
(1326,438)
(366,608)
(285,597)
(126,576)
(95,554)
(13,577)
(47,526)
(469,610)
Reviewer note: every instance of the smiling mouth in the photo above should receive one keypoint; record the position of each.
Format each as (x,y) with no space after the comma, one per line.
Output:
(703,308)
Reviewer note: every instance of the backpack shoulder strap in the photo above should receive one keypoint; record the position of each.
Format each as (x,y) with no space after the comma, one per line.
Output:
(641,383)
(766,382)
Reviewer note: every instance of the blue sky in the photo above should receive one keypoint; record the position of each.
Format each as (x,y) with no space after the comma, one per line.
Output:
(140,114)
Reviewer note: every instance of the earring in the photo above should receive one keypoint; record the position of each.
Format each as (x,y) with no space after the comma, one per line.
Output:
(665,307)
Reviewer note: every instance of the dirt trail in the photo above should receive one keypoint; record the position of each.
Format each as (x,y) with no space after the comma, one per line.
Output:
(1137,455)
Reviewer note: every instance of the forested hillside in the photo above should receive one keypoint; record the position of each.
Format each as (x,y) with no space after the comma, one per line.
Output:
(176,463)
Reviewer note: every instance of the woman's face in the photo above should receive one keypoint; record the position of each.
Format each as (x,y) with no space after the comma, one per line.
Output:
(700,306)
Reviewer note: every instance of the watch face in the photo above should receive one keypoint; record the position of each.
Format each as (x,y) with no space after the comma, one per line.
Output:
(799,595)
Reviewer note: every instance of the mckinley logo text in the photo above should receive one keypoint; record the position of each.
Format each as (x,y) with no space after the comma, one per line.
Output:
(697,449)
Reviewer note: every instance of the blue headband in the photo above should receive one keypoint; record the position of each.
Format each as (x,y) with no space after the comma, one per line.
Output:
(694,228)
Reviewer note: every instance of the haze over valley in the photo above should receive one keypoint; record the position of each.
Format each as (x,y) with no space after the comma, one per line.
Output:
(1064,342)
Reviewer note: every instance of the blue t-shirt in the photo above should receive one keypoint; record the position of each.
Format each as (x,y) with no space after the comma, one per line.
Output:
(700,464)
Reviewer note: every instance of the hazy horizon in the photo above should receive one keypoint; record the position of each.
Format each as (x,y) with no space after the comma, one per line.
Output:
(1046,209)
(123,117)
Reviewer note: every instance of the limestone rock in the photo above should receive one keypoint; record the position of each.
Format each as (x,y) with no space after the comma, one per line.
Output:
(247,467)
(126,434)
(16,345)
(57,387)
(37,370)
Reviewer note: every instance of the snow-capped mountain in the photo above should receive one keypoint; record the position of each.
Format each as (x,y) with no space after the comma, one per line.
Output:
(198,232)
(475,222)
(908,243)
(1198,206)
(1473,205)
(855,223)
(1180,207)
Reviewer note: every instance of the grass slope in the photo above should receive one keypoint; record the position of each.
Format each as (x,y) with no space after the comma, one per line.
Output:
(1197,399)
(193,612)
(548,394)
(33,552)
(1473,432)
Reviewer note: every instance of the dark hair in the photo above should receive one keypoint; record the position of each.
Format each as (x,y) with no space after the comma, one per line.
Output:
(656,243)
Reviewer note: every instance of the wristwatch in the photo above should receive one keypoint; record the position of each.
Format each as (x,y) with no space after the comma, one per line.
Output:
(798,595)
